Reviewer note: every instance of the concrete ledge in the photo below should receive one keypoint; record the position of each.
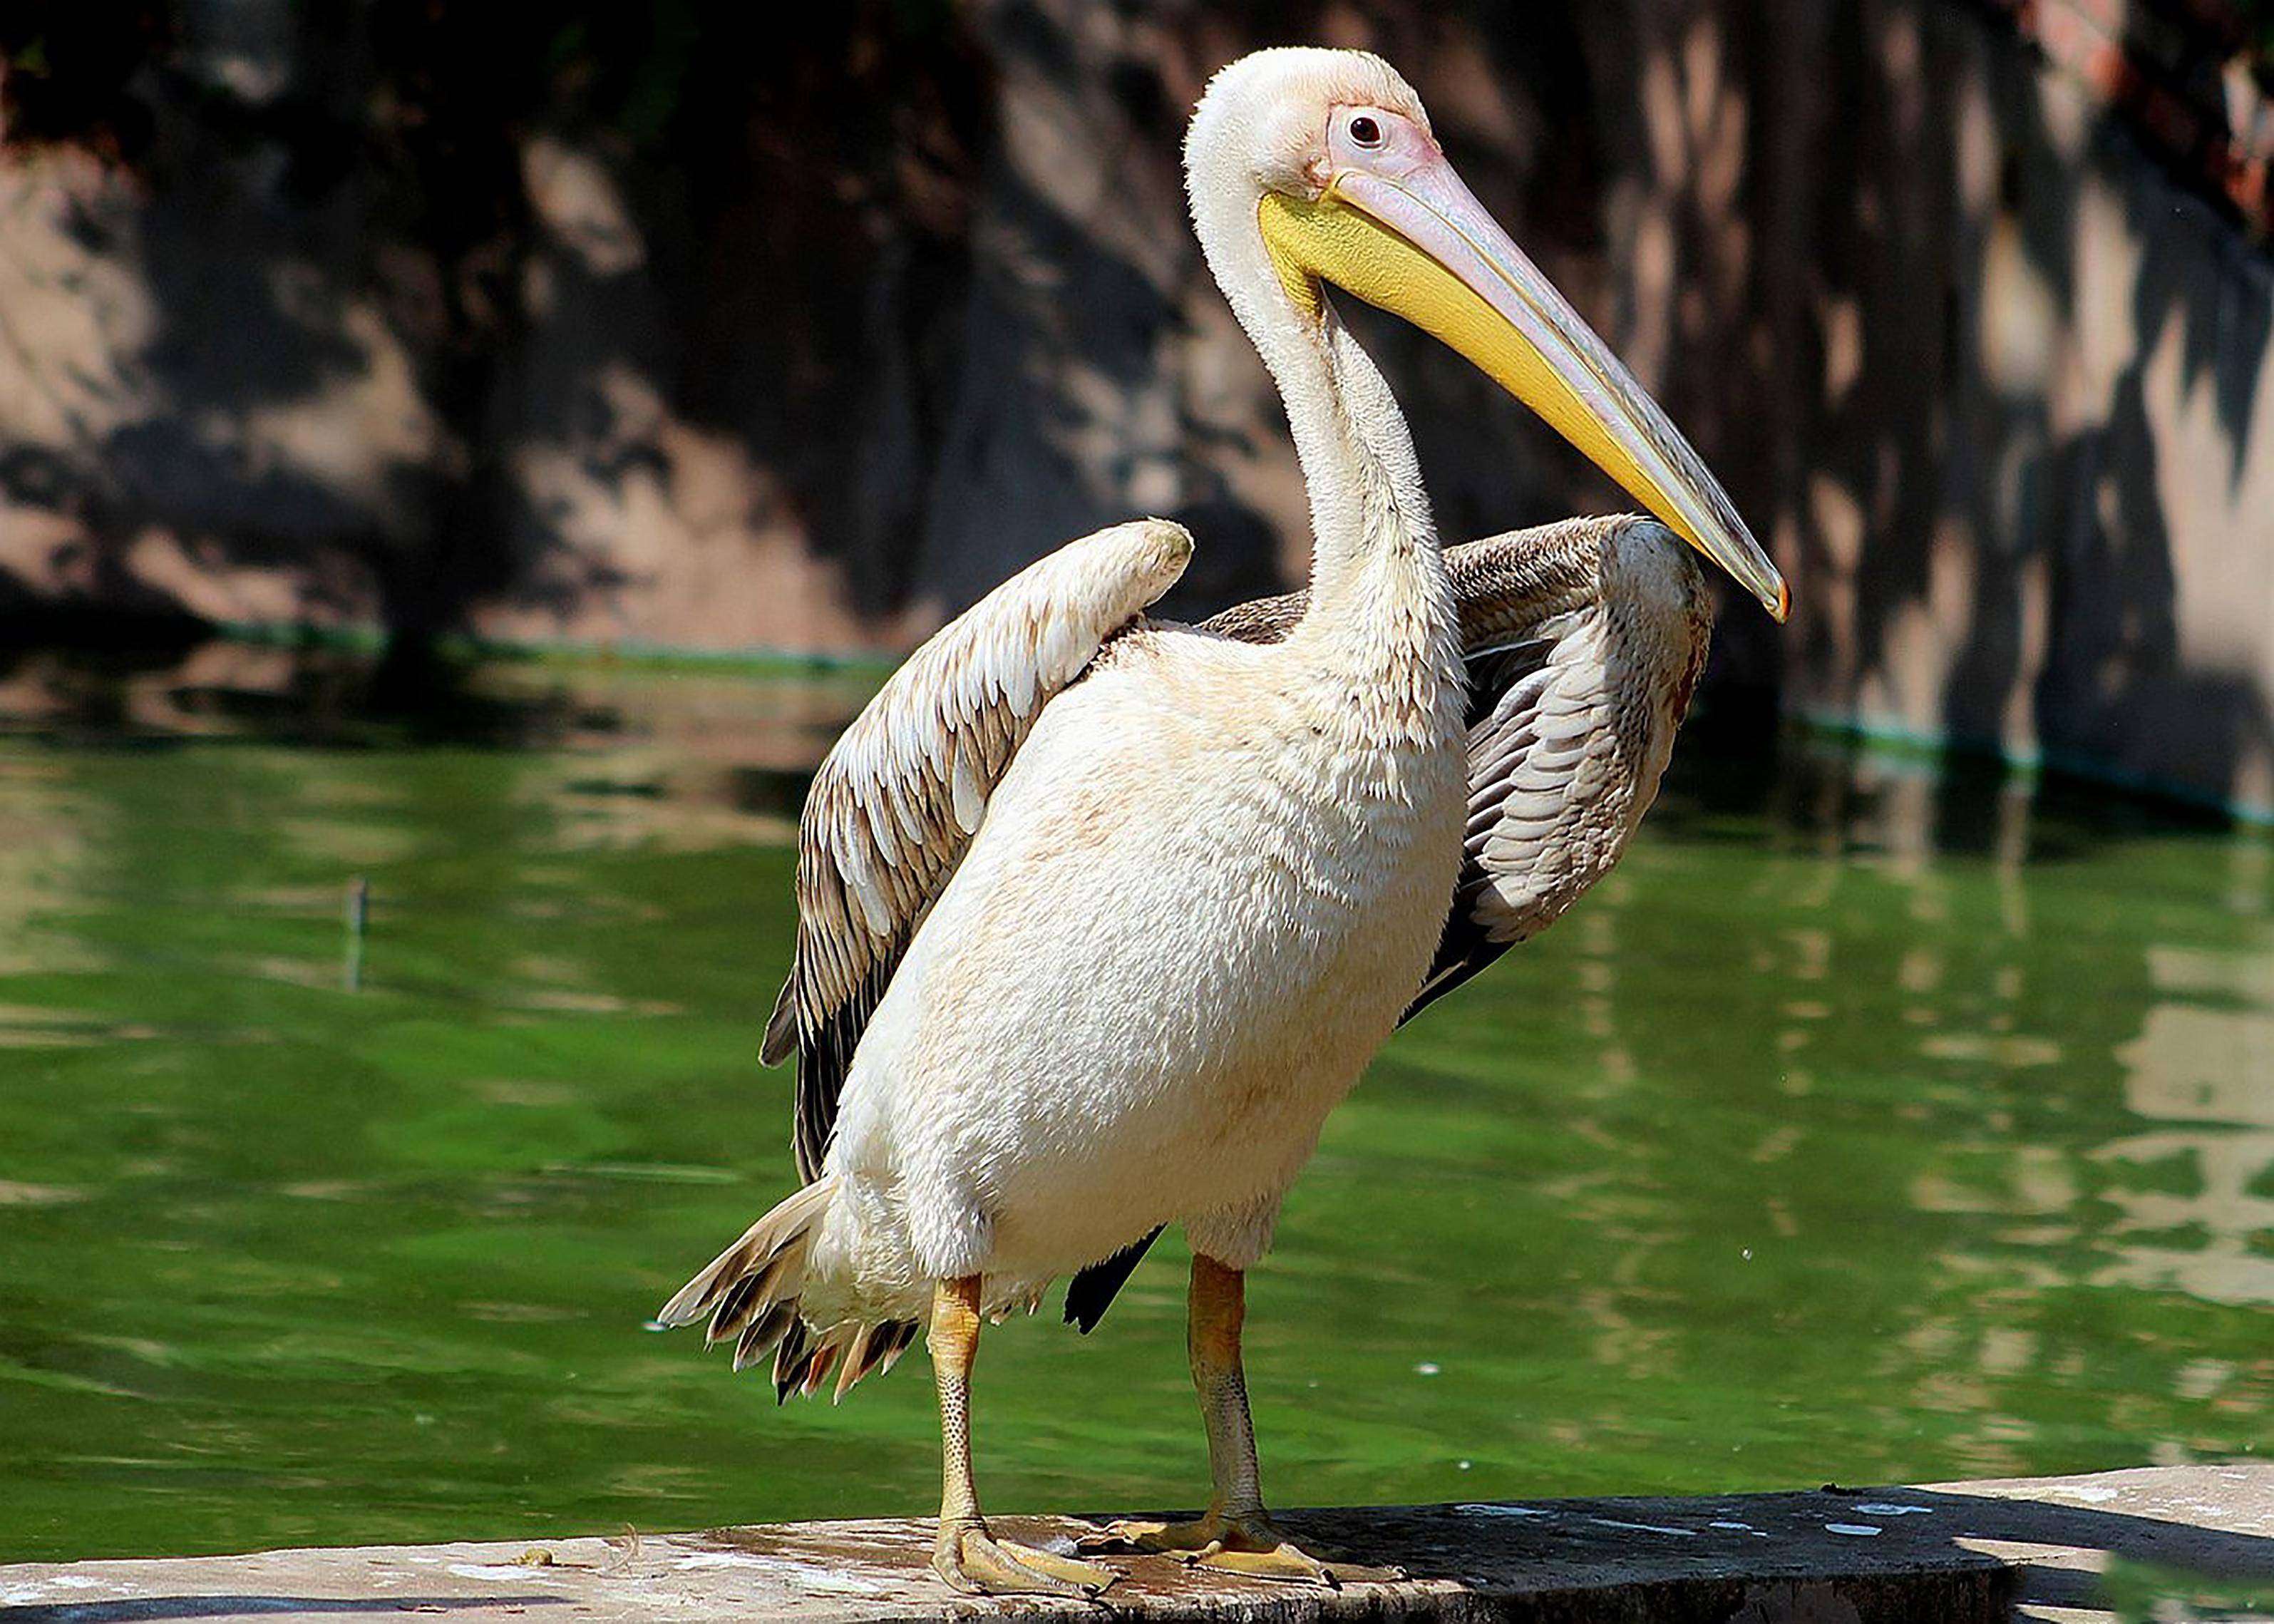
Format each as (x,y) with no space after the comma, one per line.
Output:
(1952,1553)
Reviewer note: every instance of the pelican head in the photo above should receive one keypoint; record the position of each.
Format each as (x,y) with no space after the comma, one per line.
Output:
(1326,158)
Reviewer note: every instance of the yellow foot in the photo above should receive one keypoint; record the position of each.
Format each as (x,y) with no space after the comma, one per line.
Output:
(975,1562)
(1250,1544)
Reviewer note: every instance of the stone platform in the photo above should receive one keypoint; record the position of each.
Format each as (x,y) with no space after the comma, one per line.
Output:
(1950,1553)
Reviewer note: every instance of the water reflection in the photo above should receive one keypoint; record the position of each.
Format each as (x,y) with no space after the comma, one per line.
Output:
(2051,1018)
(2182,1197)
(1870,1122)
(2196,1190)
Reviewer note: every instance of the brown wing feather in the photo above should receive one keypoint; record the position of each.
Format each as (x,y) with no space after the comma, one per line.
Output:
(1584,642)
(897,799)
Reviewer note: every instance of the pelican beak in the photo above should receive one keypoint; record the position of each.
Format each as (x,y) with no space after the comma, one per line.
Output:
(1418,244)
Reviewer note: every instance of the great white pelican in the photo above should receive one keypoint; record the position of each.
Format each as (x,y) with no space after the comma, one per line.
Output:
(1099,916)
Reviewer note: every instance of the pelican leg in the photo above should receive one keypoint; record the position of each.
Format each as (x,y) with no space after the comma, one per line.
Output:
(967,1555)
(1235,1534)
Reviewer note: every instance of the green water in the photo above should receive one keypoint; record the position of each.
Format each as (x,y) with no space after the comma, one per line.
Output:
(1863,1126)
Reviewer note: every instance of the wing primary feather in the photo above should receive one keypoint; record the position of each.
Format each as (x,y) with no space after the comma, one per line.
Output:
(792,1355)
(1092,1290)
(781,1026)
(760,1337)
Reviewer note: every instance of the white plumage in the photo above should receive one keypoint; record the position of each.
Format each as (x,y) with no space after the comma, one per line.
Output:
(1099,918)
(1161,963)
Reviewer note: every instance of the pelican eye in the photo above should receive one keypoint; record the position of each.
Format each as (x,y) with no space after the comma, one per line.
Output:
(1365,132)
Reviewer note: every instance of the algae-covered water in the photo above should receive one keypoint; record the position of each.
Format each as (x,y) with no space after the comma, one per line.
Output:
(1865,1126)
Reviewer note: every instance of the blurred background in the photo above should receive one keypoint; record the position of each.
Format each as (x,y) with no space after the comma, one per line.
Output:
(456,479)
(691,326)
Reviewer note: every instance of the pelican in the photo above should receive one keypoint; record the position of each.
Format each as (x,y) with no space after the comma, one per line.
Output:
(1099,916)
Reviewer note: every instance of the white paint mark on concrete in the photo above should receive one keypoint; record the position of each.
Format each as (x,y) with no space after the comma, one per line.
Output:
(1861,1531)
(834,1583)
(1876,1509)
(1645,1528)
(803,1575)
(1483,1510)
(490,1570)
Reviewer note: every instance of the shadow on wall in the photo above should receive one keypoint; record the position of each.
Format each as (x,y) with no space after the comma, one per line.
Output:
(416,324)
(665,328)
(1991,386)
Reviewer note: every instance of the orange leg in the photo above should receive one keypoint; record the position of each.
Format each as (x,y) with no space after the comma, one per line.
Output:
(1235,1533)
(967,1555)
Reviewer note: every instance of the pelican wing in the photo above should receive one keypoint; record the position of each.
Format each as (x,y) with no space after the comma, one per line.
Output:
(1582,642)
(897,799)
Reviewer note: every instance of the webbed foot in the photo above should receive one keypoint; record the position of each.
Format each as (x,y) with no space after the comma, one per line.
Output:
(1249,1543)
(975,1562)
